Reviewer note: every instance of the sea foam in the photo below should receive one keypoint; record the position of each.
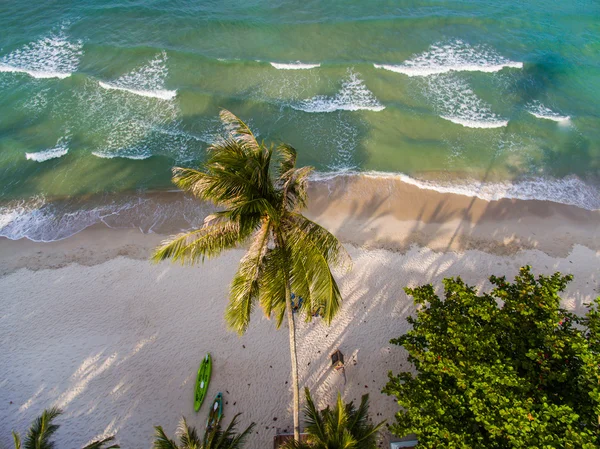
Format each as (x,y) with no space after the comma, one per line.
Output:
(569,190)
(452,56)
(353,96)
(59,150)
(454,100)
(54,56)
(294,66)
(538,110)
(146,81)
(162,94)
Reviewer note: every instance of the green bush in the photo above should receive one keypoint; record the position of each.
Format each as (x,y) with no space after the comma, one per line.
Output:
(509,369)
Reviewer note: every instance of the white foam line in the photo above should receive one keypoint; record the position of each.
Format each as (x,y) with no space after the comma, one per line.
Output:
(427,71)
(161,94)
(554,118)
(33,73)
(323,107)
(476,124)
(46,155)
(570,190)
(294,66)
(113,156)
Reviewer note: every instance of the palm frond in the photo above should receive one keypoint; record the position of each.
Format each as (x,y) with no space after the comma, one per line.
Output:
(161,441)
(38,436)
(327,243)
(239,129)
(206,242)
(17,440)
(244,287)
(101,444)
(271,289)
(312,249)
(188,436)
(293,187)
(225,188)
(314,420)
(287,158)
(364,432)
(233,439)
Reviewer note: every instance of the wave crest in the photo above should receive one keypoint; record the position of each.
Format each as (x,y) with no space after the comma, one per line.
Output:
(453,56)
(146,81)
(353,96)
(59,150)
(294,66)
(53,56)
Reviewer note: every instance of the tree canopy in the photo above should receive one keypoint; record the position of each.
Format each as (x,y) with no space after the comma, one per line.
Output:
(505,369)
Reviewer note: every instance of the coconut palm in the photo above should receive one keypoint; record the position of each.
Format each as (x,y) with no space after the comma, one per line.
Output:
(343,427)
(214,438)
(287,252)
(42,429)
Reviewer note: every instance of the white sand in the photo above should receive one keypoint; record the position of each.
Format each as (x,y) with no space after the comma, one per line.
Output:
(117,344)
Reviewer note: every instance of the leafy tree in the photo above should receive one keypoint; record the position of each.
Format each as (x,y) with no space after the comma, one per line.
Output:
(214,438)
(508,369)
(287,252)
(41,431)
(343,427)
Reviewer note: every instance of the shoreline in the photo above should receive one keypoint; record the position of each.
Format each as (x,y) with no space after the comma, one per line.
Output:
(92,326)
(381,213)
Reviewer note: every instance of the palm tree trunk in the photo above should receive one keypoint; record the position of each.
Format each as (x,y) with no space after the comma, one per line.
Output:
(294,357)
(293,354)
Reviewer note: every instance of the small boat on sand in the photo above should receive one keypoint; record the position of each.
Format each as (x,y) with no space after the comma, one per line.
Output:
(202,381)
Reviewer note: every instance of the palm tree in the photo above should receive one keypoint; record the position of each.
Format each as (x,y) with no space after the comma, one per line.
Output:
(344,427)
(42,429)
(287,251)
(214,438)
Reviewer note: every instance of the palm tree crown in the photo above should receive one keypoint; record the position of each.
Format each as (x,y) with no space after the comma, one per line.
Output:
(343,427)
(42,429)
(284,245)
(286,252)
(214,438)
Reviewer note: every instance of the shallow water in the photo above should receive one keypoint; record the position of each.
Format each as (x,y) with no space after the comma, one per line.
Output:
(100,97)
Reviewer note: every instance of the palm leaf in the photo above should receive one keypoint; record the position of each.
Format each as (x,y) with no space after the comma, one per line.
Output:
(244,287)
(315,426)
(271,288)
(161,441)
(38,436)
(310,250)
(287,158)
(188,437)
(239,129)
(235,441)
(206,242)
(17,440)
(100,444)
(293,186)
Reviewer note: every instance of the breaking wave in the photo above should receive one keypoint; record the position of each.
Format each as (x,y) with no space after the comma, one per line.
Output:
(453,56)
(538,110)
(146,81)
(454,100)
(353,96)
(294,66)
(59,150)
(54,56)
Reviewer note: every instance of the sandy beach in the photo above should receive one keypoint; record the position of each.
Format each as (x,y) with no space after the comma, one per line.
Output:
(90,325)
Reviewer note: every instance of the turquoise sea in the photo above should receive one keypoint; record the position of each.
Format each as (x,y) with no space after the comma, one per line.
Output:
(99,99)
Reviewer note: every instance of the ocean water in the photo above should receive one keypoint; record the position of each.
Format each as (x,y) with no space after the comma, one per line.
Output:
(99,99)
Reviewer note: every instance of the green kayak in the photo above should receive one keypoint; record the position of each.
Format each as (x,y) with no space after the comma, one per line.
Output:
(216,411)
(202,381)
